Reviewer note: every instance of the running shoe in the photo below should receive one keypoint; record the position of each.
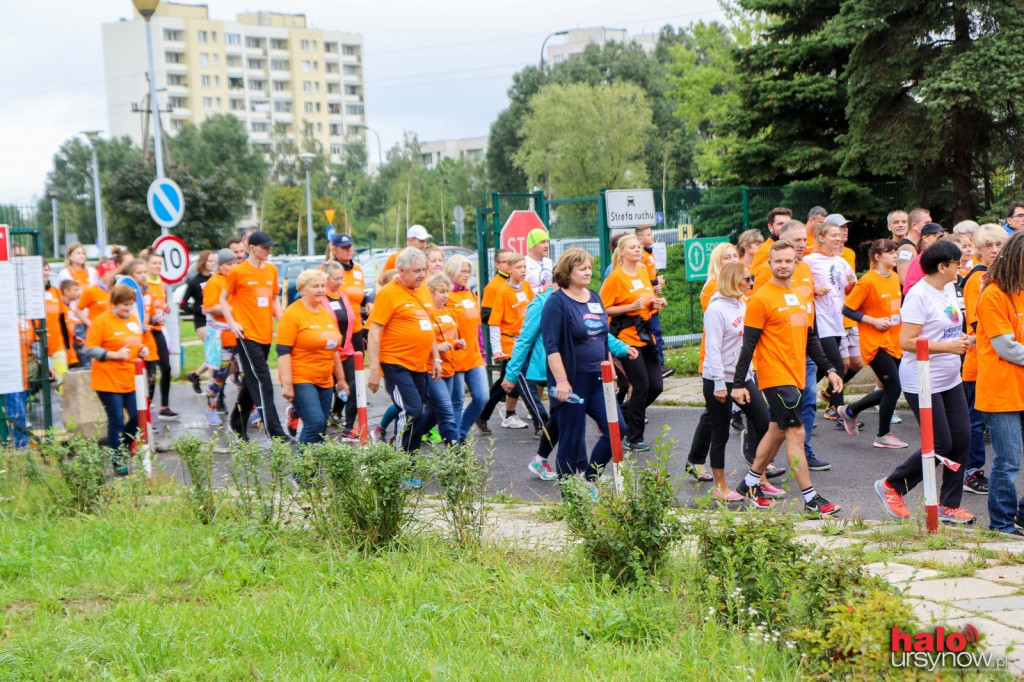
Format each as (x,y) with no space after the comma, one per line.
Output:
(976,483)
(825,394)
(212,418)
(892,501)
(1013,532)
(895,419)
(733,496)
(291,421)
(849,421)
(378,434)
(542,470)
(412,483)
(482,427)
(956,515)
(831,414)
(254,416)
(771,492)
(697,474)
(193,379)
(639,446)
(888,441)
(819,505)
(513,422)
(431,436)
(772,471)
(334,420)
(736,422)
(352,435)
(815,464)
(666,372)
(754,495)
(222,406)
(167,414)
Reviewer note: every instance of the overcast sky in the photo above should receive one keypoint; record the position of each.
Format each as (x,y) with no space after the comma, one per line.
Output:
(438,69)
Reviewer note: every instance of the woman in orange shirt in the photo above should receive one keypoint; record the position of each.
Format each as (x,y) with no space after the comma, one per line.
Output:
(629,300)
(347,317)
(874,303)
(113,343)
(76,267)
(156,311)
(470,371)
(446,338)
(308,363)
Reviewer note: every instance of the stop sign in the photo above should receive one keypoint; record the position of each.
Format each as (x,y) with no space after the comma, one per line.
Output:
(518,225)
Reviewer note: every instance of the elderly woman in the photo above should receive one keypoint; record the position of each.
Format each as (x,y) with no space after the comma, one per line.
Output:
(114,342)
(575,329)
(308,363)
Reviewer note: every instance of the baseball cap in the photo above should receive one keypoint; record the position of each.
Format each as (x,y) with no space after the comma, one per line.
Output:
(417,232)
(105,267)
(225,256)
(836,219)
(536,236)
(261,238)
(341,240)
(931,228)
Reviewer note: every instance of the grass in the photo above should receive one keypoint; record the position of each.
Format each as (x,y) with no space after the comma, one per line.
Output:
(683,360)
(194,353)
(147,593)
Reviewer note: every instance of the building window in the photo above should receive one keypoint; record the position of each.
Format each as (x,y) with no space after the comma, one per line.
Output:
(313,46)
(319,127)
(330,47)
(284,107)
(205,81)
(176,124)
(307,86)
(335,129)
(177,102)
(354,109)
(279,64)
(203,36)
(280,86)
(171,34)
(256,84)
(251,41)
(331,68)
(218,102)
(256,64)
(213,36)
(235,83)
(348,49)
(278,44)
(237,105)
(316,66)
(336,148)
(353,130)
(333,108)
(207,103)
(316,86)
(215,59)
(232,38)
(333,88)
(234,60)
(204,59)
(352,90)
(318,107)
(175,79)
(172,57)
(216,81)
(350,70)
(309,107)
(309,129)
(260,126)
(304,66)
(304,45)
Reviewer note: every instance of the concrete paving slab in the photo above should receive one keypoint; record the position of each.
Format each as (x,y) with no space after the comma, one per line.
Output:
(900,575)
(829,541)
(947,589)
(950,557)
(1013,575)
(990,604)
(938,613)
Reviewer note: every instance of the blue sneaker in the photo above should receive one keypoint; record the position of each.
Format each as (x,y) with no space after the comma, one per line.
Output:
(413,483)
(213,418)
(815,464)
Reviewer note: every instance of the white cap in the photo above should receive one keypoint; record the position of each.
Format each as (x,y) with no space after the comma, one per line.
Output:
(417,232)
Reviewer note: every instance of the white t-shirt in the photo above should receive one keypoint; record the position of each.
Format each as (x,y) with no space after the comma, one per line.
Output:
(538,272)
(941,320)
(832,272)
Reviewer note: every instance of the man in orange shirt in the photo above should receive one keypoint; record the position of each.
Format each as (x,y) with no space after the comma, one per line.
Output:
(415,237)
(778,336)
(402,349)
(250,304)
(486,303)
(777,217)
(218,336)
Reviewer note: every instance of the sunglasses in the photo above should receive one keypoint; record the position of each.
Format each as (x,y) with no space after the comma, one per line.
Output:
(749,278)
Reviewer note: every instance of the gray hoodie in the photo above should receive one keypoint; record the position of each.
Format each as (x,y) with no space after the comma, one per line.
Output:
(723,339)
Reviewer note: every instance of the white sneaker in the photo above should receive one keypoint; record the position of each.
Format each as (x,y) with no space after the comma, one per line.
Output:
(513,422)
(889,441)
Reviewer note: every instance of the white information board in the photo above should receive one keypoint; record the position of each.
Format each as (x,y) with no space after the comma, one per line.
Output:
(31,300)
(660,255)
(629,208)
(11,379)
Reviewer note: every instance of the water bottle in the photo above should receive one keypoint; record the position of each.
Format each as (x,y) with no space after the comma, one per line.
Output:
(575,399)
(343,395)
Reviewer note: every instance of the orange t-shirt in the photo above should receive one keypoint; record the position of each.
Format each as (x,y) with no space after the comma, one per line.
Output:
(879,297)
(446,329)
(315,340)
(407,337)
(1000,383)
(463,306)
(491,290)
(94,301)
(761,255)
(80,276)
(850,257)
(389,264)
(972,290)
(54,310)
(69,322)
(647,262)
(622,289)
(509,311)
(781,352)
(354,286)
(250,293)
(211,298)
(112,333)
(155,299)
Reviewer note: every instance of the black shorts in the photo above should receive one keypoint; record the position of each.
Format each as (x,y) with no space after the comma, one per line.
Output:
(784,405)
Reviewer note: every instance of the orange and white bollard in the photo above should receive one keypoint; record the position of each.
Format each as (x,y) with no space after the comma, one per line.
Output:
(611,408)
(364,424)
(924,401)
(142,407)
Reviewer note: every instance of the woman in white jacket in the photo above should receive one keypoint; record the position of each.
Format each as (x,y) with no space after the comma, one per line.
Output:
(723,338)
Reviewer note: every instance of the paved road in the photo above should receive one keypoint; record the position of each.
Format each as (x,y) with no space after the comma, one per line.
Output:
(855,464)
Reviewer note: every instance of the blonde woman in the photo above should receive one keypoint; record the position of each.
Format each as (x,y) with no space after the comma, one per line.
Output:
(748,244)
(722,254)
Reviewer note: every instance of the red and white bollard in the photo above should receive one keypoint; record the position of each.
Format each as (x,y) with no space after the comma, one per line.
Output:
(142,407)
(924,401)
(364,424)
(611,408)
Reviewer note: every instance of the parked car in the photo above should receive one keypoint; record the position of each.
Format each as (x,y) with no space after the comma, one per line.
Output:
(288,270)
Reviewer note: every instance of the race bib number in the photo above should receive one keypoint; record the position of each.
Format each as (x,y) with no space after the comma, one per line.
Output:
(134,327)
(791,299)
(356,274)
(894,320)
(425,325)
(905,255)
(521,296)
(467,303)
(595,307)
(636,284)
(335,305)
(332,344)
(262,302)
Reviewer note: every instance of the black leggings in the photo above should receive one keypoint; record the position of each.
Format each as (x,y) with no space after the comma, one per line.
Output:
(498,394)
(644,375)
(719,414)
(163,361)
(886,368)
(349,365)
(830,344)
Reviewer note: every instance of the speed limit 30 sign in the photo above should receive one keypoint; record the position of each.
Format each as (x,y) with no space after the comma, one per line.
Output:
(175,255)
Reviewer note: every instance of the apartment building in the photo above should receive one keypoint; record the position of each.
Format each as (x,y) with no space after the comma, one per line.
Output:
(432,152)
(576,41)
(271,70)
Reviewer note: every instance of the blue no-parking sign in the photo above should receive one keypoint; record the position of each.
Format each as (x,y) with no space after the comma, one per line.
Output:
(329,232)
(166,202)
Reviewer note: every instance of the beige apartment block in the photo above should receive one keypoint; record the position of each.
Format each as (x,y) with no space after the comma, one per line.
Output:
(269,69)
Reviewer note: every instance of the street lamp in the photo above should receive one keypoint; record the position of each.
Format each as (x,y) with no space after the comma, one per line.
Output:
(544,44)
(380,154)
(53,209)
(101,230)
(146,8)
(307,161)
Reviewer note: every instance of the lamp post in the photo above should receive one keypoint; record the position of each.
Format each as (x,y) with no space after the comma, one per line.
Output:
(380,154)
(53,209)
(101,230)
(147,8)
(544,44)
(307,161)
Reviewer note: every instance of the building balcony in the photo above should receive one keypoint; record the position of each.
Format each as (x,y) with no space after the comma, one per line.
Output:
(183,113)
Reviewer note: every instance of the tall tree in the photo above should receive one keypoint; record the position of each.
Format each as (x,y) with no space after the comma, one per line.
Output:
(580,138)
(220,141)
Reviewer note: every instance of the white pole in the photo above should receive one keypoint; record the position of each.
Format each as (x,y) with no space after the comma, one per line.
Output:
(158,143)
(309,218)
(101,232)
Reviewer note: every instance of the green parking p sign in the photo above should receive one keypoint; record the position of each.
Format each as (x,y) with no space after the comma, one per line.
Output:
(698,256)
